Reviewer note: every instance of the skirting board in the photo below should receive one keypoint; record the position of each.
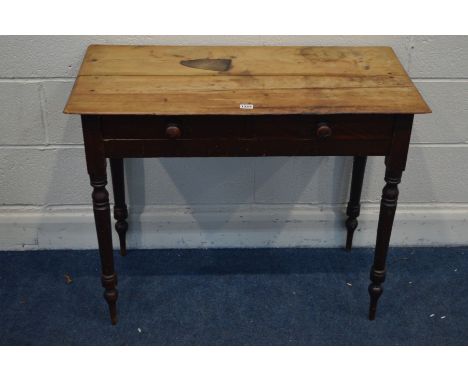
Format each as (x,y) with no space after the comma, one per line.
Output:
(226,226)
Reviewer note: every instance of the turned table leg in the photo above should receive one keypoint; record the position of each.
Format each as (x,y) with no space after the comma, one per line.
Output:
(120,208)
(387,213)
(96,164)
(395,164)
(354,205)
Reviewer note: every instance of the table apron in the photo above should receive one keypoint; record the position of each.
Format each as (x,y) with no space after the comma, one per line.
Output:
(244,136)
(139,148)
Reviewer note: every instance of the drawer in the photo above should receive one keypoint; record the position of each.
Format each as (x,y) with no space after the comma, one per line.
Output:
(163,127)
(284,135)
(329,128)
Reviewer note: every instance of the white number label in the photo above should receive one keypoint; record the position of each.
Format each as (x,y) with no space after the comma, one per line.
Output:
(248,106)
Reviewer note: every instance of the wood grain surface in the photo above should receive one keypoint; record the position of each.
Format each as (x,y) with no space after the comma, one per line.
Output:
(216,80)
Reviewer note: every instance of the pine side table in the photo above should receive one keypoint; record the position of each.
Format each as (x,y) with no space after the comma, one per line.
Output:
(201,101)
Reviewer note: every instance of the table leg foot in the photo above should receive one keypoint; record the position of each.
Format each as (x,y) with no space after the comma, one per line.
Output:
(96,163)
(121,226)
(351,225)
(109,282)
(354,206)
(120,208)
(103,227)
(375,291)
(388,207)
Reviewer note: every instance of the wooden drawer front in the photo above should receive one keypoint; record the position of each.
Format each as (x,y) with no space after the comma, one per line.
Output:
(247,135)
(191,127)
(343,127)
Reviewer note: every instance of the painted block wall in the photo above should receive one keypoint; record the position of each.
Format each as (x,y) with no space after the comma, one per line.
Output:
(228,202)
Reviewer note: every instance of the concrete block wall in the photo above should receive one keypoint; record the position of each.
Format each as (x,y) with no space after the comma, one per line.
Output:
(229,202)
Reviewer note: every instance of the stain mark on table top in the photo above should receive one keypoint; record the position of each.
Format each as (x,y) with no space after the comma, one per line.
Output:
(215,64)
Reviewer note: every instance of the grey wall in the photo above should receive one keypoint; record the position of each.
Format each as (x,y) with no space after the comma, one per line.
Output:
(45,194)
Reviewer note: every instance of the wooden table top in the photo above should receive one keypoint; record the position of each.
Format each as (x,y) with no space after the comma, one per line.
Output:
(194,80)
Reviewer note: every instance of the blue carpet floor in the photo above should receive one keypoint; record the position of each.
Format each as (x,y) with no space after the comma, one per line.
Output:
(235,297)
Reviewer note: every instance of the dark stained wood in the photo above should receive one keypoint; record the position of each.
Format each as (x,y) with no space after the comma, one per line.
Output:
(96,163)
(343,127)
(354,204)
(247,136)
(120,208)
(395,164)
(152,148)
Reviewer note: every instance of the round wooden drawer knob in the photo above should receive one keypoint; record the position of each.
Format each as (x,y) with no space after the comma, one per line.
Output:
(173,131)
(323,130)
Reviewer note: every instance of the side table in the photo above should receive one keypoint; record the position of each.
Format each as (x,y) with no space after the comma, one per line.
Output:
(201,101)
